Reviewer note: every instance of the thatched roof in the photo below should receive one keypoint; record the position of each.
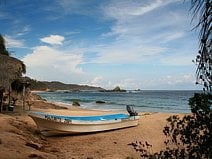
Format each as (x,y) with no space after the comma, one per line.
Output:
(10,69)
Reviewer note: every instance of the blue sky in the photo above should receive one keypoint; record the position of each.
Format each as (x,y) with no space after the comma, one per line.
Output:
(145,44)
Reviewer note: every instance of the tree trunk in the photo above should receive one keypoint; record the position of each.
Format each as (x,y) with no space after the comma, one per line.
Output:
(1,99)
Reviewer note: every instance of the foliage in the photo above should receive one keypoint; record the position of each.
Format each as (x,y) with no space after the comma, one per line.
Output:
(189,137)
(17,86)
(203,10)
(3,49)
(10,68)
(192,133)
(36,85)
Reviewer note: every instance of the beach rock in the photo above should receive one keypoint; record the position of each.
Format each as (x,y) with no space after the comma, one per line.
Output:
(116,89)
(34,145)
(76,103)
(35,156)
(100,102)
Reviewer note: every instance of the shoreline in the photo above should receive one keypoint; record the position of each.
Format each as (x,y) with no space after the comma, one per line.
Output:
(143,102)
(20,137)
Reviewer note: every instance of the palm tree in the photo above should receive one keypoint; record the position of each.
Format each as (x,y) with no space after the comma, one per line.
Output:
(203,10)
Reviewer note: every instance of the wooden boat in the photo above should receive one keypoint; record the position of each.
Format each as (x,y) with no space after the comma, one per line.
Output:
(50,124)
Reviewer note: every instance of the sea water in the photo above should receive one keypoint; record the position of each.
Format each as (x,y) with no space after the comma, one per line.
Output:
(143,101)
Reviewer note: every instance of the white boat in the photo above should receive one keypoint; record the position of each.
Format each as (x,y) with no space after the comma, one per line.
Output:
(50,124)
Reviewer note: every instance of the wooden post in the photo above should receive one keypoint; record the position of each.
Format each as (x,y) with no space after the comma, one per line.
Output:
(9,96)
(1,98)
(24,94)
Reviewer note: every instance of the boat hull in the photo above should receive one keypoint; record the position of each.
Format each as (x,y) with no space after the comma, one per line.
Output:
(49,127)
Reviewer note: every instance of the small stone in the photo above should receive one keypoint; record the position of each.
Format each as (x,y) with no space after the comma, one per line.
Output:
(34,145)
(35,156)
(75,103)
(100,102)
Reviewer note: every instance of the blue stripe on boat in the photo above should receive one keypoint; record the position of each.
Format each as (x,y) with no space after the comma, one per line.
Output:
(85,118)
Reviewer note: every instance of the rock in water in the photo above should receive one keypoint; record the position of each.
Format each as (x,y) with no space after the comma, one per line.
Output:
(75,103)
(100,102)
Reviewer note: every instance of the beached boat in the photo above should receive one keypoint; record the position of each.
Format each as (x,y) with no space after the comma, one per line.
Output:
(50,124)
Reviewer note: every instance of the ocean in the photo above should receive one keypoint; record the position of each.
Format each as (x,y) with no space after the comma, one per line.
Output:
(143,101)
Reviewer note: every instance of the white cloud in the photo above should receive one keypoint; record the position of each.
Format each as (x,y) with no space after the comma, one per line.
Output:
(125,53)
(96,81)
(174,36)
(47,63)
(141,30)
(24,30)
(167,37)
(124,10)
(72,33)
(53,39)
(177,81)
(63,8)
(177,60)
(13,43)
(128,83)
(71,6)
(147,8)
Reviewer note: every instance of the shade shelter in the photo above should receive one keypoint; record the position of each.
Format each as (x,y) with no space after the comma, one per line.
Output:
(11,69)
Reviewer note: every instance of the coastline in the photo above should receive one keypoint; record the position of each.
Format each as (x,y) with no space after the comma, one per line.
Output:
(20,137)
(144,101)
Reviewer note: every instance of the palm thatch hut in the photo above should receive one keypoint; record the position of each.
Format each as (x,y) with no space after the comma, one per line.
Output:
(11,69)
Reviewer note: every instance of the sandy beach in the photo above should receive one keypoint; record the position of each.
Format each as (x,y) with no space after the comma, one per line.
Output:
(20,137)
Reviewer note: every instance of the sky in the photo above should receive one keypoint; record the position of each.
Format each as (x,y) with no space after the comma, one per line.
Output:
(134,44)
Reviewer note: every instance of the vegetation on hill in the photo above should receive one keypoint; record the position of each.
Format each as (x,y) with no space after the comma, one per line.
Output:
(3,50)
(55,85)
(11,69)
(36,85)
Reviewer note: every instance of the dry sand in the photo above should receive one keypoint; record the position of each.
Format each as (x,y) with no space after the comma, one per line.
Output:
(21,139)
